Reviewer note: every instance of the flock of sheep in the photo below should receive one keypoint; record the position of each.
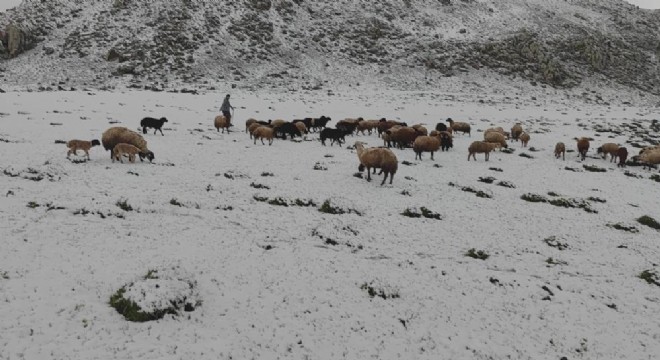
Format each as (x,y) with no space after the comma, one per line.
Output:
(124,142)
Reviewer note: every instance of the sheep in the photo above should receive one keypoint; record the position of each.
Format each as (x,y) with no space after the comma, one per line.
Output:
(446,140)
(264,132)
(318,123)
(478,147)
(334,134)
(249,122)
(495,137)
(459,126)
(348,126)
(301,127)
(497,130)
(524,138)
(384,125)
(157,124)
(117,135)
(403,137)
(287,128)
(252,127)
(649,148)
(377,158)
(84,145)
(608,148)
(440,127)
(221,122)
(277,123)
(124,149)
(367,125)
(516,130)
(649,158)
(560,149)
(622,154)
(421,130)
(583,147)
(426,144)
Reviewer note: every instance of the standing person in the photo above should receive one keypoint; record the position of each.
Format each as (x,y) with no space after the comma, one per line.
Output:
(225,108)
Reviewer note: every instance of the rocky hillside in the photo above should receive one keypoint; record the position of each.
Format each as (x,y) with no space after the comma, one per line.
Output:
(301,44)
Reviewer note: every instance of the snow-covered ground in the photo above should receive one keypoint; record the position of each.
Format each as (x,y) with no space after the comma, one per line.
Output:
(292,282)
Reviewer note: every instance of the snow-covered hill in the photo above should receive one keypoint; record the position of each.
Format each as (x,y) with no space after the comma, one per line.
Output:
(295,44)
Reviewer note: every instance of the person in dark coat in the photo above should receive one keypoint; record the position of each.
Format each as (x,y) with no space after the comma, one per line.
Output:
(225,108)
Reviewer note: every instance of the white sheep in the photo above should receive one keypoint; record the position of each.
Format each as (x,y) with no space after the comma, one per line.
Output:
(560,149)
(122,149)
(649,158)
(478,147)
(377,158)
(264,132)
(84,145)
(118,135)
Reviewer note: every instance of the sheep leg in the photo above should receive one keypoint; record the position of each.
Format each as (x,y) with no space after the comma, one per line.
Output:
(487,155)
(384,178)
(255,140)
(87,153)
(420,156)
(369,174)
(262,141)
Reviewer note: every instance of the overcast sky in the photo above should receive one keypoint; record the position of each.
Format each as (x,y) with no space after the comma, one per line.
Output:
(647,4)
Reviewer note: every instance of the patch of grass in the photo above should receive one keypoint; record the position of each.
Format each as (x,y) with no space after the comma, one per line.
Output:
(477,254)
(622,227)
(327,208)
(496,169)
(526,155)
(631,174)
(259,186)
(552,241)
(175,202)
(535,198)
(407,163)
(410,178)
(593,168)
(304,203)
(380,292)
(278,201)
(358,175)
(4,275)
(229,176)
(655,177)
(60,142)
(487,179)
(506,184)
(132,312)
(533,149)
(32,205)
(478,193)
(405,192)
(650,277)
(596,199)
(572,203)
(265,173)
(551,261)
(424,212)
(318,166)
(508,150)
(260,198)
(649,221)
(124,205)
(572,169)
(552,193)
(82,211)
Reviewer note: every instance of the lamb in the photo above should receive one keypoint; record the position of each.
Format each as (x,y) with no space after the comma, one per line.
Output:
(123,149)
(377,158)
(84,145)
(524,138)
(156,124)
(495,137)
(264,132)
(560,149)
(583,147)
(426,144)
(516,130)
(478,147)
(118,135)
(608,148)
(221,122)
(459,126)
(622,154)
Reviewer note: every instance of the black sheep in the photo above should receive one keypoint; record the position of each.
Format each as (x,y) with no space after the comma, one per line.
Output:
(150,122)
(319,123)
(334,134)
(441,127)
(446,142)
(288,128)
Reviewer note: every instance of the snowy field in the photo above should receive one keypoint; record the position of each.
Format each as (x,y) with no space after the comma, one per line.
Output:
(290,282)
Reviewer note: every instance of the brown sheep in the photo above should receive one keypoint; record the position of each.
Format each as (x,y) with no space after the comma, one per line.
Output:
(516,130)
(301,127)
(377,158)
(583,147)
(384,125)
(421,130)
(426,144)
(249,122)
(117,135)
(608,148)
(649,158)
(478,147)
(253,127)
(221,122)
(403,137)
(524,138)
(264,132)
(84,145)
(459,126)
(495,137)
(622,154)
(560,149)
